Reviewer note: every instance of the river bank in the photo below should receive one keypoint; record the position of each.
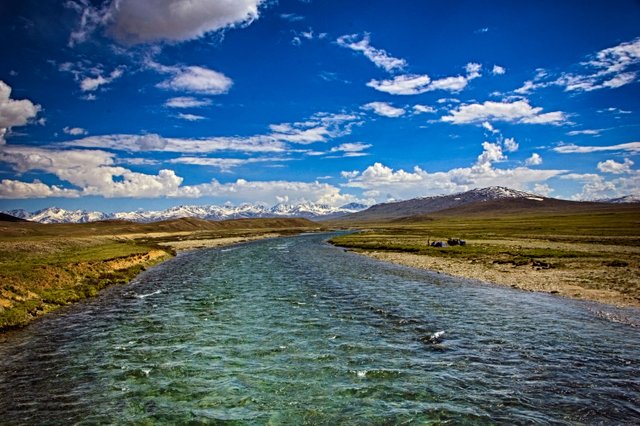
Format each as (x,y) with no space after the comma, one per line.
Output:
(592,255)
(563,282)
(46,267)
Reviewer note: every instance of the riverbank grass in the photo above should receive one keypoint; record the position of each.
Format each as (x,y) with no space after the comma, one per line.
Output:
(590,256)
(40,275)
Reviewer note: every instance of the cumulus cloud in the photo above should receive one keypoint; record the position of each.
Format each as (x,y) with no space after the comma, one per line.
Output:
(597,187)
(613,167)
(415,84)
(195,79)
(378,56)
(534,160)
(498,70)
(90,172)
(14,112)
(187,102)
(513,112)
(143,21)
(93,172)
(74,131)
(379,179)
(510,145)
(384,109)
(577,149)
(89,84)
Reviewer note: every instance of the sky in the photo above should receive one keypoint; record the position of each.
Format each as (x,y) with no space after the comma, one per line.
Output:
(117,105)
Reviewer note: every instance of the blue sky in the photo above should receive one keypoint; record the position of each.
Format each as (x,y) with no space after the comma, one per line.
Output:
(124,104)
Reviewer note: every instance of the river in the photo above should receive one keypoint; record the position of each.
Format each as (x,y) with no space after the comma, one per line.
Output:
(294,331)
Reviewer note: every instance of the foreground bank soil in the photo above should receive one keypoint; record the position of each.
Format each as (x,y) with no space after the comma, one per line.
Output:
(574,283)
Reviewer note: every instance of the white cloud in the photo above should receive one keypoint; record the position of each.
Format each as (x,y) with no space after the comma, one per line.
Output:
(612,166)
(591,132)
(196,79)
(93,172)
(534,160)
(352,149)
(379,180)
(488,126)
(422,109)
(409,84)
(143,21)
(576,149)
(510,145)
(378,56)
(542,189)
(596,187)
(608,68)
(415,84)
(14,189)
(451,84)
(153,142)
(224,164)
(513,112)
(473,70)
(299,36)
(614,110)
(191,117)
(349,174)
(384,109)
(291,17)
(320,127)
(74,131)
(186,102)
(89,84)
(498,70)
(14,112)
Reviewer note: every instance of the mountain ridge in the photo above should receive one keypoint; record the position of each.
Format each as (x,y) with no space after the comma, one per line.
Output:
(497,198)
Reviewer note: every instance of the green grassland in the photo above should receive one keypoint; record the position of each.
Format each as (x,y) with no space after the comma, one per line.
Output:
(45,267)
(600,249)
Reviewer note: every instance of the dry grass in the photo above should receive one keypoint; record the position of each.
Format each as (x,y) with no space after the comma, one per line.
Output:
(593,256)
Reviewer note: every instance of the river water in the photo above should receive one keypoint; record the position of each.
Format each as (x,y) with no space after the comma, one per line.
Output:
(295,331)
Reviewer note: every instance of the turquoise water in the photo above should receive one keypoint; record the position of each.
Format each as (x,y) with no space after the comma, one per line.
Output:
(295,331)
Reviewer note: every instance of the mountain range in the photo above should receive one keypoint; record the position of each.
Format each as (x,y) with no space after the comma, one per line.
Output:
(482,201)
(208,212)
(474,201)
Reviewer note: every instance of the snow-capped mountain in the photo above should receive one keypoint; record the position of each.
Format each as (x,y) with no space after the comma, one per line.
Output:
(427,205)
(58,215)
(622,200)
(209,212)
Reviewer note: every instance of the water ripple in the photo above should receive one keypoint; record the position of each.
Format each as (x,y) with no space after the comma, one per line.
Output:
(294,331)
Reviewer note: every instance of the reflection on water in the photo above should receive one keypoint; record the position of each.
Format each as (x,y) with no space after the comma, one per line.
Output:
(294,330)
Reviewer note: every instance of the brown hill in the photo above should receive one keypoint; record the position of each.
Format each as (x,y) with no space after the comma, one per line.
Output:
(112,227)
